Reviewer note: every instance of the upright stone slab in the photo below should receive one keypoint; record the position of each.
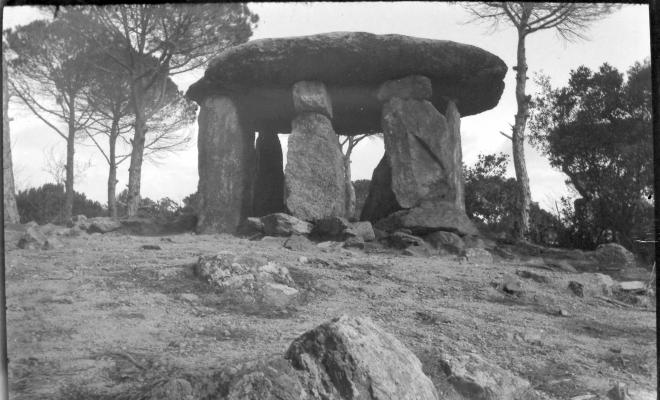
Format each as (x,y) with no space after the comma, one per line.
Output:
(380,201)
(456,174)
(269,181)
(314,174)
(423,149)
(226,166)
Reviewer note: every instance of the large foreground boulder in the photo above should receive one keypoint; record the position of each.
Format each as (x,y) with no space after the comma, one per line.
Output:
(346,358)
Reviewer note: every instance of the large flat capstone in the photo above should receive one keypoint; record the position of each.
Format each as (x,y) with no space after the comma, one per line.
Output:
(353,65)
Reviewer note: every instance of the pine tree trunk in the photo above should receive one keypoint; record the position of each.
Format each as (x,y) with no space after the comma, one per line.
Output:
(112,174)
(11,210)
(518,139)
(137,154)
(350,190)
(68,184)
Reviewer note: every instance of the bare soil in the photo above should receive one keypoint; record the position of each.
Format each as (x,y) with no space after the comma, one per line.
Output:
(104,318)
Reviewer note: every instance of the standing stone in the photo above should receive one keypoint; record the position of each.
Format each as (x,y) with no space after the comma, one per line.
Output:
(269,182)
(380,201)
(226,164)
(314,175)
(457,181)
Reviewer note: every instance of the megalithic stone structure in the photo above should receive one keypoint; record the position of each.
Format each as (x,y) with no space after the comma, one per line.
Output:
(314,172)
(412,90)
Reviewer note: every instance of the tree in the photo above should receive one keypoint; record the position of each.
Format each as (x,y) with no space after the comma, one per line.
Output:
(598,131)
(48,75)
(348,144)
(180,37)
(9,199)
(569,20)
(109,97)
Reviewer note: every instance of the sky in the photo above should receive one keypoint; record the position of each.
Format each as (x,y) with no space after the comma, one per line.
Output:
(620,39)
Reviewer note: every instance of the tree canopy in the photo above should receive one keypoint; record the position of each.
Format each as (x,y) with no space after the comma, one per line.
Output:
(598,131)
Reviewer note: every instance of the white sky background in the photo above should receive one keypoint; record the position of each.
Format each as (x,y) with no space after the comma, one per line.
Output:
(620,39)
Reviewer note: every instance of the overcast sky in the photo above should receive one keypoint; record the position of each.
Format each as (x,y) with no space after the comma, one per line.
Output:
(620,40)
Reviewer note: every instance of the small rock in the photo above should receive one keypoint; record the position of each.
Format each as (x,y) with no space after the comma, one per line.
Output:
(417,251)
(476,378)
(577,288)
(562,265)
(280,224)
(479,256)
(327,245)
(33,239)
(361,229)
(533,276)
(330,228)
(302,260)
(278,295)
(445,240)
(618,392)
(632,286)
(103,225)
(173,389)
(298,243)
(511,285)
(354,242)
(189,297)
(150,247)
(253,225)
(402,240)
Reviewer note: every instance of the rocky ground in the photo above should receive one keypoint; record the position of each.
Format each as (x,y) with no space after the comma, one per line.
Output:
(104,316)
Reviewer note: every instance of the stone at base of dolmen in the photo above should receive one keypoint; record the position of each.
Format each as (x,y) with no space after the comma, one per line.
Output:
(430,217)
(380,201)
(314,173)
(226,163)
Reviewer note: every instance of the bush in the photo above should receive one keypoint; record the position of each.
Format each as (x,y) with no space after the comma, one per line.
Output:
(45,204)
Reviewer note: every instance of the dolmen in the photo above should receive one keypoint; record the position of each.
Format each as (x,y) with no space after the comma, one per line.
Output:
(412,90)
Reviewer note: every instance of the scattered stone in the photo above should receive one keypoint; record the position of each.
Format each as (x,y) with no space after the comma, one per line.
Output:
(253,225)
(302,260)
(585,397)
(613,256)
(361,229)
(446,241)
(562,265)
(78,221)
(619,392)
(417,251)
(280,224)
(632,286)
(298,243)
(32,239)
(103,225)
(476,378)
(352,358)
(533,276)
(150,247)
(277,294)
(52,243)
(430,217)
(327,244)
(563,313)
(577,288)
(512,285)
(402,240)
(504,252)
(193,298)
(173,389)
(330,228)
(355,242)
(479,256)
(229,271)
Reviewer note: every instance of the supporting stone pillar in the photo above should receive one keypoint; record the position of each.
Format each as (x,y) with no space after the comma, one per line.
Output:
(424,156)
(226,166)
(457,179)
(269,181)
(380,201)
(314,175)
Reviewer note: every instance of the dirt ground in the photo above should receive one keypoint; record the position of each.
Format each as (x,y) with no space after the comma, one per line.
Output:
(103,318)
